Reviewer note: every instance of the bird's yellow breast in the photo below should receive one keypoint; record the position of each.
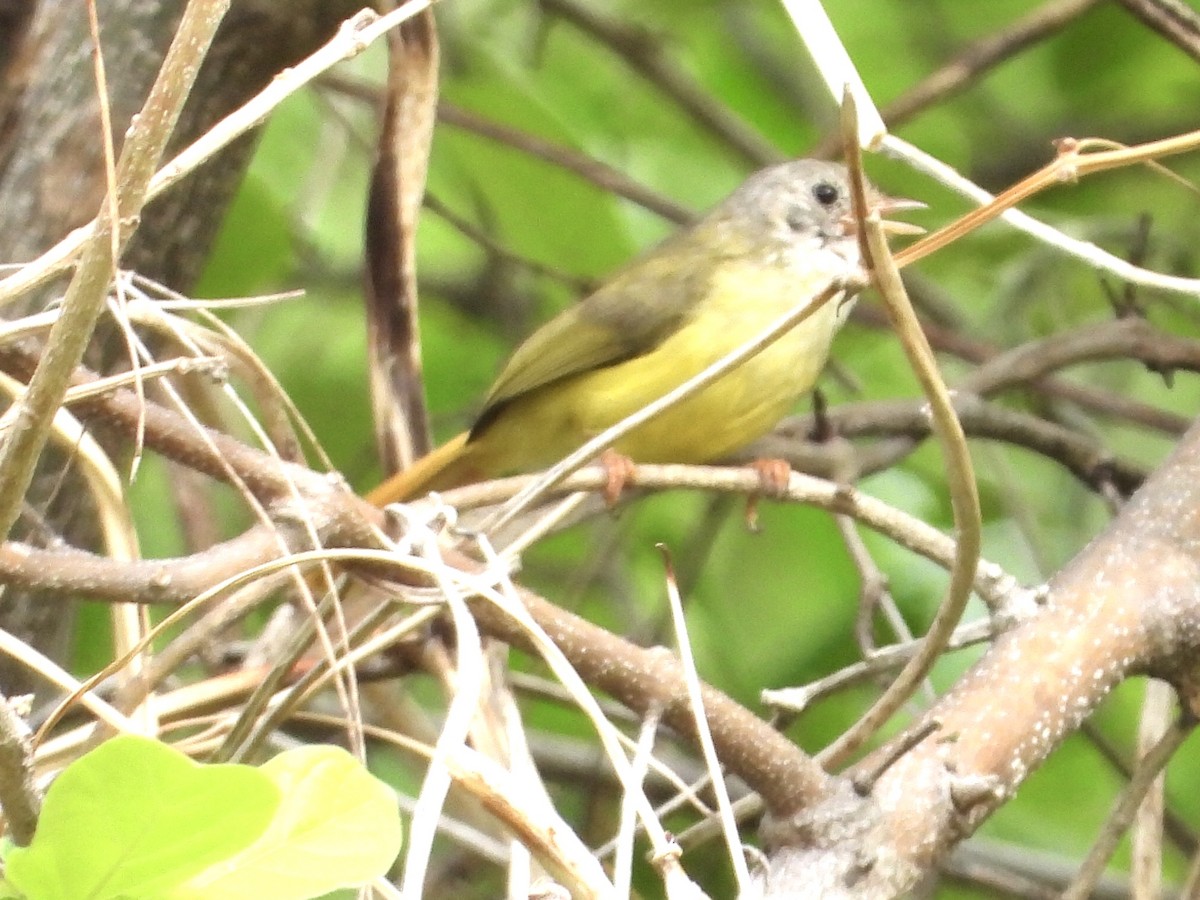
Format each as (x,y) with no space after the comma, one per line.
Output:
(742,302)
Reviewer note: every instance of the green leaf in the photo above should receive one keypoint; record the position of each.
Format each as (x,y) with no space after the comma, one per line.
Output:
(135,817)
(337,826)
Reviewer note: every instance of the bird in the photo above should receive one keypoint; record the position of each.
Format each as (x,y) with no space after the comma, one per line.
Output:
(787,233)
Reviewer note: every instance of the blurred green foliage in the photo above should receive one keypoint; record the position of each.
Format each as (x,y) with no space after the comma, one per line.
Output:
(775,608)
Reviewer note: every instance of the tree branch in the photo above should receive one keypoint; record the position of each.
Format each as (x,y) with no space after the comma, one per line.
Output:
(1129,604)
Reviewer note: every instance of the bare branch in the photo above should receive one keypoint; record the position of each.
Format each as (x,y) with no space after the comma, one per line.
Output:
(1173,19)
(1128,604)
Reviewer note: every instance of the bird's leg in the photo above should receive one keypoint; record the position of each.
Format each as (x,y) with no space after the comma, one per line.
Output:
(773,475)
(619,469)
(822,429)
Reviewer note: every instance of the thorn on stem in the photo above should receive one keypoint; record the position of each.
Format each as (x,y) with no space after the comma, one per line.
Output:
(968,791)
(864,782)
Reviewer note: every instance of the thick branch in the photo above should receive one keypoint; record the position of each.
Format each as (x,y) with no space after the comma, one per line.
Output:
(1129,604)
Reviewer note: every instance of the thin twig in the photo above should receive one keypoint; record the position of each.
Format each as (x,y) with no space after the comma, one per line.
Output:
(1147,874)
(790,701)
(864,780)
(964,496)
(600,174)
(353,37)
(687,660)
(645,55)
(1124,811)
(1093,399)
(85,298)
(1173,19)
(1055,173)
(973,61)
(18,797)
(1086,458)
(1179,831)
(176,581)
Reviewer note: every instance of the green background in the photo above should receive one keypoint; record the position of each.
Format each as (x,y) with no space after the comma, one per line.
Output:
(775,608)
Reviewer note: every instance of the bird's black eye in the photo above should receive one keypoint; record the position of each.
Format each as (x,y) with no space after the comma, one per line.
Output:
(825,193)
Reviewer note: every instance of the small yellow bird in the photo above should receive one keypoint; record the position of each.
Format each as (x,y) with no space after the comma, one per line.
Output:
(785,234)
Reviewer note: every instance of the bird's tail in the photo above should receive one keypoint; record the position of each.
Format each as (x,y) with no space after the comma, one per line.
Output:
(445,467)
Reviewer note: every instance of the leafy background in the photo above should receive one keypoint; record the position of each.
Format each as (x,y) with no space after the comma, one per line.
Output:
(775,608)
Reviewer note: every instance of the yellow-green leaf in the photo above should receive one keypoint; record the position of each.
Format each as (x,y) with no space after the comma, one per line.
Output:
(337,826)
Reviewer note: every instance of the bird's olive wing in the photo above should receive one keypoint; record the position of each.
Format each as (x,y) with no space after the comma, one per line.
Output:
(628,316)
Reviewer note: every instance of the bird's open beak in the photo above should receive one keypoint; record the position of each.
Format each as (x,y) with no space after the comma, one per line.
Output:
(886,206)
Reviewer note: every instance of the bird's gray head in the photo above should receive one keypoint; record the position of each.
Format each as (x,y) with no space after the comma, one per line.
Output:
(786,212)
(805,202)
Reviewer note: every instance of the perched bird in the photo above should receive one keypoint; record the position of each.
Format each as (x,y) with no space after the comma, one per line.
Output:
(784,235)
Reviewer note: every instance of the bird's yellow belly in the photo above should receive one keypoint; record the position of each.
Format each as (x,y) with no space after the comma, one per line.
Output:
(738,408)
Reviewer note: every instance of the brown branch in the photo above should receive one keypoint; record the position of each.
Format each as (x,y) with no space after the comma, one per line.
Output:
(1030,364)
(600,174)
(1128,604)
(166,582)
(402,431)
(18,796)
(1131,338)
(646,679)
(1083,456)
(643,53)
(1173,19)
(86,294)
(1092,399)
(973,62)
(174,581)
(639,678)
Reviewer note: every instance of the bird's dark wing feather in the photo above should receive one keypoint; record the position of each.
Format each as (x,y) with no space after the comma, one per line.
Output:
(628,316)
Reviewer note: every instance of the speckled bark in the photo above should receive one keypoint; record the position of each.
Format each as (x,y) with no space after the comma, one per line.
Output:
(1128,604)
(51,172)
